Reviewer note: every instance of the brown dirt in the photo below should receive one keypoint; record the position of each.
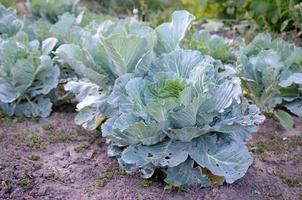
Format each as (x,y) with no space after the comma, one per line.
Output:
(72,164)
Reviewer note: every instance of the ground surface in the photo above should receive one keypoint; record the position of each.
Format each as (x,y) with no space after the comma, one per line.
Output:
(54,159)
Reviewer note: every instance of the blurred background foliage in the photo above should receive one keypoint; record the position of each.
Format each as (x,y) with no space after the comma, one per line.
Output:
(270,15)
(263,15)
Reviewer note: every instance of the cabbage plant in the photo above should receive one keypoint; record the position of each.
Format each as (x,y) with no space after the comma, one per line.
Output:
(52,9)
(27,76)
(271,74)
(187,116)
(213,45)
(10,24)
(110,50)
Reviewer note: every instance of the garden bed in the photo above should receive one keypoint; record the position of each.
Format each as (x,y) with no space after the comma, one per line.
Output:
(54,159)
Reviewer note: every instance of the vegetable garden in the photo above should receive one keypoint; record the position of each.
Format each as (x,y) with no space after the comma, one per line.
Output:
(150,99)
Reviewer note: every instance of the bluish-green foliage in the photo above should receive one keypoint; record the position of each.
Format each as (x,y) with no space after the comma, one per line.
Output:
(271,74)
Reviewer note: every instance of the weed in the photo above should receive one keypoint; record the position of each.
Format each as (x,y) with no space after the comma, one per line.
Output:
(104,178)
(34,119)
(26,183)
(2,115)
(34,157)
(181,188)
(81,148)
(20,118)
(62,137)
(122,172)
(144,183)
(47,127)
(291,182)
(276,144)
(37,142)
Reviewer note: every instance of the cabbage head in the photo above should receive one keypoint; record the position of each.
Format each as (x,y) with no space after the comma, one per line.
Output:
(27,77)
(271,72)
(187,116)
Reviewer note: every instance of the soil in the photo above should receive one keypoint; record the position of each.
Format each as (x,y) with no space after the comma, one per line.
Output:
(55,159)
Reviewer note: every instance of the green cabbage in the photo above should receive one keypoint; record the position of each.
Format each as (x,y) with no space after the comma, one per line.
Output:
(27,76)
(52,9)
(187,109)
(10,24)
(271,74)
(115,48)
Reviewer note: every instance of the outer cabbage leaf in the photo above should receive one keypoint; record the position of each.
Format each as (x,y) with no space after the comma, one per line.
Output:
(295,107)
(125,52)
(91,101)
(186,174)
(170,34)
(164,154)
(37,107)
(222,156)
(82,63)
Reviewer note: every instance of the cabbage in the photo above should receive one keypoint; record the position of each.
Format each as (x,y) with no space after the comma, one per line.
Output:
(271,74)
(187,113)
(115,48)
(52,9)
(9,22)
(166,108)
(27,76)
(212,45)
